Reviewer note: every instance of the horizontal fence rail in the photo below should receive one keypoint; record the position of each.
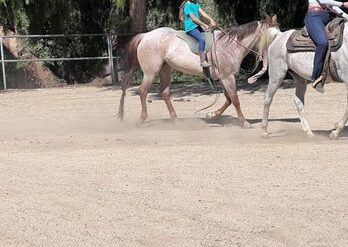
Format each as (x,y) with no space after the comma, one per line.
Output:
(110,57)
(55,59)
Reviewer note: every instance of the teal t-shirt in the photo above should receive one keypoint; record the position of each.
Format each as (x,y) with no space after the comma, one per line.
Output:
(193,8)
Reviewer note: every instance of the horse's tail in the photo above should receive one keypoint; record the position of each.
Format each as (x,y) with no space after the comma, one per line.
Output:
(131,64)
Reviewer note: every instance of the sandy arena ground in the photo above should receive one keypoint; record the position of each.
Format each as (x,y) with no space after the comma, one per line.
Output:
(72,175)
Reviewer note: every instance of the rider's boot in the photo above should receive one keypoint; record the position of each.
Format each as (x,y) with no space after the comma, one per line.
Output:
(204,62)
(318,84)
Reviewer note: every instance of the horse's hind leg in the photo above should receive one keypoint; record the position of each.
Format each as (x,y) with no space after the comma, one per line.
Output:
(165,84)
(340,125)
(143,91)
(301,87)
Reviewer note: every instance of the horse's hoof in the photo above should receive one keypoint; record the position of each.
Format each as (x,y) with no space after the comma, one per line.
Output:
(252,80)
(120,117)
(139,123)
(334,135)
(337,125)
(210,115)
(310,134)
(246,125)
(174,120)
(265,135)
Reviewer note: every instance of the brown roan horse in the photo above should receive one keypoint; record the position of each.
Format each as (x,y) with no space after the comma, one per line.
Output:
(159,51)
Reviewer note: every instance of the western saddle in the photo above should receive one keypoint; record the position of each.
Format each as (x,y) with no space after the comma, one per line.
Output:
(299,41)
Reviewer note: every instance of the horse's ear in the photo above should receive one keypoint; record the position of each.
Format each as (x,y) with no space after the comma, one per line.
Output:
(274,22)
(274,19)
(268,20)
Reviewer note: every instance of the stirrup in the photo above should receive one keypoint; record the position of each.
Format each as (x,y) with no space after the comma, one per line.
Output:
(205,64)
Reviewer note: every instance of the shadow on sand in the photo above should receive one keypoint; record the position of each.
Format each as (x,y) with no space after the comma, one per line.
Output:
(195,89)
(199,123)
(230,120)
(222,121)
(326,133)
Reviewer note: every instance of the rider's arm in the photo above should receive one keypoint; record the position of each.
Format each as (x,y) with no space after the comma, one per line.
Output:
(331,3)
(336,6)
(206,16)
(198,21)
(340,11)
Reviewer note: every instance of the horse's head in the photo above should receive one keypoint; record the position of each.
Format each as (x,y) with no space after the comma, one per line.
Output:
(270,29)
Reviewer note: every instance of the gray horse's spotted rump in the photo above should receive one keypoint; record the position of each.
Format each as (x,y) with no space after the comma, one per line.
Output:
(160,51)
(300,66)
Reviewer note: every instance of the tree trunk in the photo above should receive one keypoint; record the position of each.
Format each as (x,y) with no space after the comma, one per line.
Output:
(38,74)
(137,13)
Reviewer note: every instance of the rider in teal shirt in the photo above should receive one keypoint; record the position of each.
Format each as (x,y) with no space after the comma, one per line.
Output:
(195,27)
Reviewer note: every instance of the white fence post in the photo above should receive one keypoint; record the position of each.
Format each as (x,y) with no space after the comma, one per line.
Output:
(3,63)
(111,59)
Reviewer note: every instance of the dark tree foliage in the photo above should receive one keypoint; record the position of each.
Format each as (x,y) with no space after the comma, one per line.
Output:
(290,13)
(79,16)
(163,13)
(115,16)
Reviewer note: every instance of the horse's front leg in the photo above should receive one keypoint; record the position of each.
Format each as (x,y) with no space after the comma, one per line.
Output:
(272,88)
(229,84)
(301,87)
(277,71)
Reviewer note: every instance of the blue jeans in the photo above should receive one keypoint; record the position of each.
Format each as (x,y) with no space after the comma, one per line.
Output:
(315,23)
(197,34)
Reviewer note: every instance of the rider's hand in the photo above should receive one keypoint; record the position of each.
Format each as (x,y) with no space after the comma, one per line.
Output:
(205,26)
(345,5)
(213,23)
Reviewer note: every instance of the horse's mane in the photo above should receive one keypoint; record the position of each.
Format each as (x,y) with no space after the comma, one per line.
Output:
(239,32)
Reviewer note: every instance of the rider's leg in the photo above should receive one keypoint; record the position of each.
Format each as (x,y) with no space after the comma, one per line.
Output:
(196,33)
(315,24)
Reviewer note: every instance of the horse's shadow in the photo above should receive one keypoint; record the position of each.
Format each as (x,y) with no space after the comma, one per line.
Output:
(261,85)
(179,90)
(222,121)
(326,133)
(230,120)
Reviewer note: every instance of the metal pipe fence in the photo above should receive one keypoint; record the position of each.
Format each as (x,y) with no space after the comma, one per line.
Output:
(112,59)
(111,56)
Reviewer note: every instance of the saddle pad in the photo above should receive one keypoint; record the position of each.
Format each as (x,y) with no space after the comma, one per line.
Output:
(193,44)
(299,43)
